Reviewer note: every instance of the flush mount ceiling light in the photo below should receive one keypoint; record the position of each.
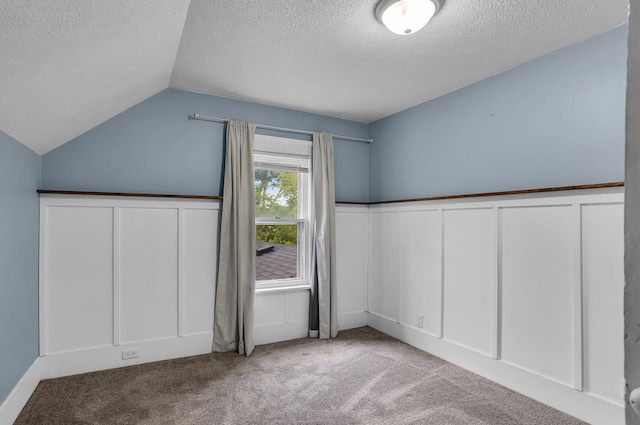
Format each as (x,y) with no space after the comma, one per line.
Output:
(406,16)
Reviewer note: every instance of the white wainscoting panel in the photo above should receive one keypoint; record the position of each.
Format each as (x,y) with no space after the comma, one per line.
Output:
(281,315)
(125,273)
(351,258)
(603,287)
(532,289)
(79,292)
(199,259)
(297,303)
(148,274)
(421,262)
(468,278)
(385,273)
(537,290)
(270,308)
(121,273)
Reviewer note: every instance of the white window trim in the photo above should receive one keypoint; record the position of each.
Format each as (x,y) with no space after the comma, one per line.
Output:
(272,145)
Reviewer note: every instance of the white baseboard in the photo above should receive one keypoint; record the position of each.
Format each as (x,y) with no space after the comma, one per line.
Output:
(102,358)
(352,320)
(13,404)
(584,406)
(268,334)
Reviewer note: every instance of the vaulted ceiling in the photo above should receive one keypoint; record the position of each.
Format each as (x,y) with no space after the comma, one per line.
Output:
(69,65)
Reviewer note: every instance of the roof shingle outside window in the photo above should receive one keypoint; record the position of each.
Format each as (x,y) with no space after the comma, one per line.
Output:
(276,261)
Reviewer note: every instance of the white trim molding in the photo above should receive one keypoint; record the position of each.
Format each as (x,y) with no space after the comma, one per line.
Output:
(15,402)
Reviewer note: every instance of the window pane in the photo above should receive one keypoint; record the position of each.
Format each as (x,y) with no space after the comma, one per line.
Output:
(276,193)
(276,251)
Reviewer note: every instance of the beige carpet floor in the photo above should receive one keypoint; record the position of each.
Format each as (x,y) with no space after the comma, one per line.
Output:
(361,377)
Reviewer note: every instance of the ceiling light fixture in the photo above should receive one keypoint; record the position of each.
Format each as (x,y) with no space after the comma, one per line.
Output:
(406,16)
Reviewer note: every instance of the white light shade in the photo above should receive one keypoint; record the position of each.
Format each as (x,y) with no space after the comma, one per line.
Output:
(406,16)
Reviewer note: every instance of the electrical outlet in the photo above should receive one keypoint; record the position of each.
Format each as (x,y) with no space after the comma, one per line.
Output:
(420,320)
(130,354)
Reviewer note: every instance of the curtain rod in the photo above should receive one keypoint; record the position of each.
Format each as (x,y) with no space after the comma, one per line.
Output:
(197,116)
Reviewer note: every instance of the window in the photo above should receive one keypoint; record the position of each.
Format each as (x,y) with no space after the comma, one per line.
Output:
(282,191)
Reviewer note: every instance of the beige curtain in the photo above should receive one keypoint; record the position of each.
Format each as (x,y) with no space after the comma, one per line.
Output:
(235,293)
(323,308)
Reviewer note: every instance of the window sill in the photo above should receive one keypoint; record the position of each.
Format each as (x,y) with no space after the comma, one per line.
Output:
(288,288)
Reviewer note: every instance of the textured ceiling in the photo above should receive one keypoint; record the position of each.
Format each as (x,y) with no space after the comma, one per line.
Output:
(68,65)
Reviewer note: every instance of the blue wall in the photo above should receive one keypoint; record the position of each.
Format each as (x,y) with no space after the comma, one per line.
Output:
(154,148)
(19,222)
(557,120)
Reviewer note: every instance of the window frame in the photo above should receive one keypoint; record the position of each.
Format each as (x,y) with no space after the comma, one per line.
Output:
(286,147)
